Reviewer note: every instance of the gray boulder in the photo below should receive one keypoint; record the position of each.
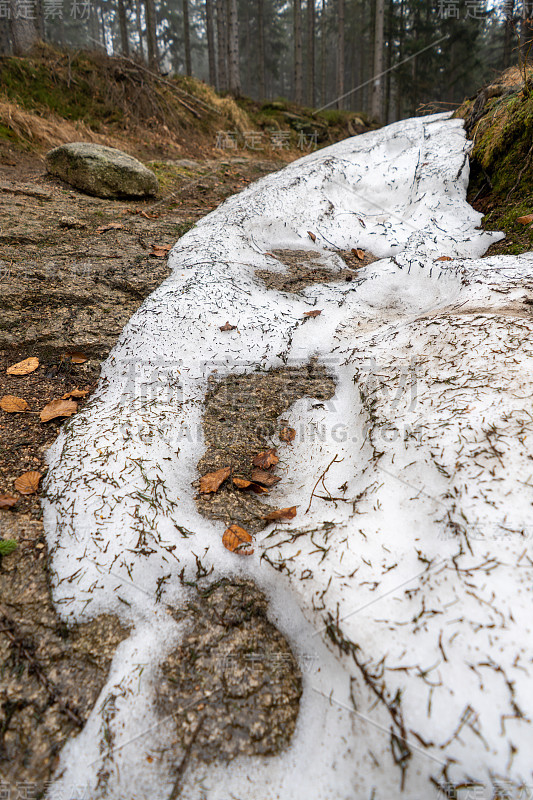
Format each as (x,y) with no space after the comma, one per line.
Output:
(101,171)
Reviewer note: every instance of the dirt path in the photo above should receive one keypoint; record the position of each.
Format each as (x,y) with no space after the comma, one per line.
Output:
(73,269)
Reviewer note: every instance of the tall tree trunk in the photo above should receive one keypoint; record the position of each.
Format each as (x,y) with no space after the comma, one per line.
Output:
(298,55)
(376,106)
(388,77)
(123,24)
(234,72)
(526,34)
(311,93)
(139,27)
(102,26)
(93,30)
(5,37)
(39,19)
(222,46)
(399,85)
(323,53)
(508,17)
(187,37)
(151,38)
(210,30)
(23,31)
(340,53)
(261,46)
(247,82)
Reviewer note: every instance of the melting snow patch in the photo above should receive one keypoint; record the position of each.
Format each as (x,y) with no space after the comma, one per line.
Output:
(406,575)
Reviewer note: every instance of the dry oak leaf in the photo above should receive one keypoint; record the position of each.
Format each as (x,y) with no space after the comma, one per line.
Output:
(287,434)
(359,253)
(109,227)
(443,258)
(12,404)
(7,500)
(75,393)
(23,367)
(266,478)
(281,513)
(160,250)
(311,236)
(312,313)
(228,327)
(212,481)
(266,459)
(525,220)
(58,408)
(235,540)
(28,482)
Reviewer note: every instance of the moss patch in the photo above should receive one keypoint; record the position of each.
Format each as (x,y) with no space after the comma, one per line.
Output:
(500,122)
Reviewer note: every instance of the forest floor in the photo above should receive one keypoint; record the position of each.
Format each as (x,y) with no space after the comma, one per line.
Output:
(73,270)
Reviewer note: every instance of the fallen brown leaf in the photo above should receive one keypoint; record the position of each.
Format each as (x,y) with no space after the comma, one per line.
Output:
(7,500)
(12,404)
(241,483)
(311,236)
(360,254)
(160,250)
(111,226)
(235,540)
(23,367)
(212,481)
(312,313)
(58,408)
(75,393)
(228,327)
(256,488)
(265,478)
(525,220)
(443,258)
(78,358)
(287,434)
(281,513)
(28,482)
(266,459)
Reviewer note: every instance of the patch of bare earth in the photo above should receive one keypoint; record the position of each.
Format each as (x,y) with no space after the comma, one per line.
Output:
(241,420)
(306,267)
(51,674)
(233,685)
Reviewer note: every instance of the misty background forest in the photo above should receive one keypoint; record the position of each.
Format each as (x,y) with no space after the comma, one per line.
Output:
(318,53)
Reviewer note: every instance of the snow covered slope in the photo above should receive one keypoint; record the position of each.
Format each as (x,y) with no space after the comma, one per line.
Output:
(409,577)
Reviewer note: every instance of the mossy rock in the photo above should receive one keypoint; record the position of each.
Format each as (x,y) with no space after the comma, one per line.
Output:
(101,171)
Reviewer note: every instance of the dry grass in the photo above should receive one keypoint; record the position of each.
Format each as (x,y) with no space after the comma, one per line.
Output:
(48,131)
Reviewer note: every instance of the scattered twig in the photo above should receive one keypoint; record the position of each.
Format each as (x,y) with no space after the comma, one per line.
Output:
(334,460)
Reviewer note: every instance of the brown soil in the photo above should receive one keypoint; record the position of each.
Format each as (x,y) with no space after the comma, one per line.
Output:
(64,288)
(51,674)
(234,655)
(241,420)
(305,267)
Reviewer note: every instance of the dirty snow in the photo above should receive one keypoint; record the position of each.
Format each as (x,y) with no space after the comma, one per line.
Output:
(405,579)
